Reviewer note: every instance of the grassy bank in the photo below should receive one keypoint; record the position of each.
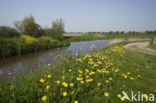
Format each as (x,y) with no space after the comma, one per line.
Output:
(87,37)
(99,77)
(27,44)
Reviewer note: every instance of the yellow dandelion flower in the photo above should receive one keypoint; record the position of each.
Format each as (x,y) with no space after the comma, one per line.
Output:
(110,78)
(42,80)
(44,98)
(49,76)
(122,99)
(48,86)
(131,78)
(107,81)
(98,84)
(65,85)
(63,77)
(71,84)
(129,73)
(64,94)
(76,101)
(106,94)
(138,76)
(69,70)
(58,82)
(119,95)
(82,82)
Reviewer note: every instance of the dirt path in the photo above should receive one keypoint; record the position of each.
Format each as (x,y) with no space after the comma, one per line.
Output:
(141,47)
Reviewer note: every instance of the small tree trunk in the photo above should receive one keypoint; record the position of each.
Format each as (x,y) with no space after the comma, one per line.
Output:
(152,40)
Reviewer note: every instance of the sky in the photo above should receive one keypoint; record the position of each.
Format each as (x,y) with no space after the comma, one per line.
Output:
(83,15)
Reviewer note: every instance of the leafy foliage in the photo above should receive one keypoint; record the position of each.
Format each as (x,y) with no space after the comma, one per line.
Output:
(7,32)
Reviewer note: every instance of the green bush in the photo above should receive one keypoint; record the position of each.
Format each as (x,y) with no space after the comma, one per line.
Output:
(7,32)
(16,46)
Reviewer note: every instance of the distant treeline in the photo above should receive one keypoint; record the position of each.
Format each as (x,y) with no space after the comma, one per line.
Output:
(123,32)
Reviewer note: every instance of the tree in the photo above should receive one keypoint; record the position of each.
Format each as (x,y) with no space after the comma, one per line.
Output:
(7,32)
(58,29)
(29,27)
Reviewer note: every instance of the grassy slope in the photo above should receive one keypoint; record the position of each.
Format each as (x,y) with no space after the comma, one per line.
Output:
(28,89)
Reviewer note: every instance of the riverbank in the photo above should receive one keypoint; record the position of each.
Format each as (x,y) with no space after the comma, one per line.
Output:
(27,44)
(97,77)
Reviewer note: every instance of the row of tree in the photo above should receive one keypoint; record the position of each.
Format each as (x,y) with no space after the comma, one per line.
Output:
(28,26)
(123,32)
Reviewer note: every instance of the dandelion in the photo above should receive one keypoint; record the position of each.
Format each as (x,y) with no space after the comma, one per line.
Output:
(82,82)
(122,99)
(48,86)
(64,94)
(63,77)
(138,76)
(106,94)
(76,101)
(107,81)
(44,98)
(110,78)
(42,80)
(119,95)
(49,76)
(69,70)
(71,84)
(98,84)
(131,78)
(58,82)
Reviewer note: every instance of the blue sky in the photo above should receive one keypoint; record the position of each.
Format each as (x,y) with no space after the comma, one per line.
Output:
(84,15)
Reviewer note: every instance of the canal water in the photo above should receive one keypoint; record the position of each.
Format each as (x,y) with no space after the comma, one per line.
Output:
(27,63)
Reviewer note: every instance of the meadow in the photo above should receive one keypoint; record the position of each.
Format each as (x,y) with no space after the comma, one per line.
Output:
(98,77)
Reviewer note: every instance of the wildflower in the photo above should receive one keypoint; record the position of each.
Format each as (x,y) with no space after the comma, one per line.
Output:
(63,77)
(69,70)
(106,94)
(44,98)
(129,73)
(79,78)
(65,84)
(110,78)
(122,99)
(82,82)
(138,76)
(76,101)
(131,78)
(58,82)
(107,81)
(42,80)
(71,84)
(48,86)
(87,76)
(49,76)
(119,95)
(89,80)
(64,94)
(98,84)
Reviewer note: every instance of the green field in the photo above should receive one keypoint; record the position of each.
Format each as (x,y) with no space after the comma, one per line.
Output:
(99,77)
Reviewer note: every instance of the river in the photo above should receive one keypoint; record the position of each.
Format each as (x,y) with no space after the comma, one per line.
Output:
(13,66)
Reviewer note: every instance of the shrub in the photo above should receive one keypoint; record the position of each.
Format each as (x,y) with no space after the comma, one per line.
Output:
(7,32)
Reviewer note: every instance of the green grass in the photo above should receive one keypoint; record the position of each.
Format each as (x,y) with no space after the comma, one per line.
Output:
(30,89)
